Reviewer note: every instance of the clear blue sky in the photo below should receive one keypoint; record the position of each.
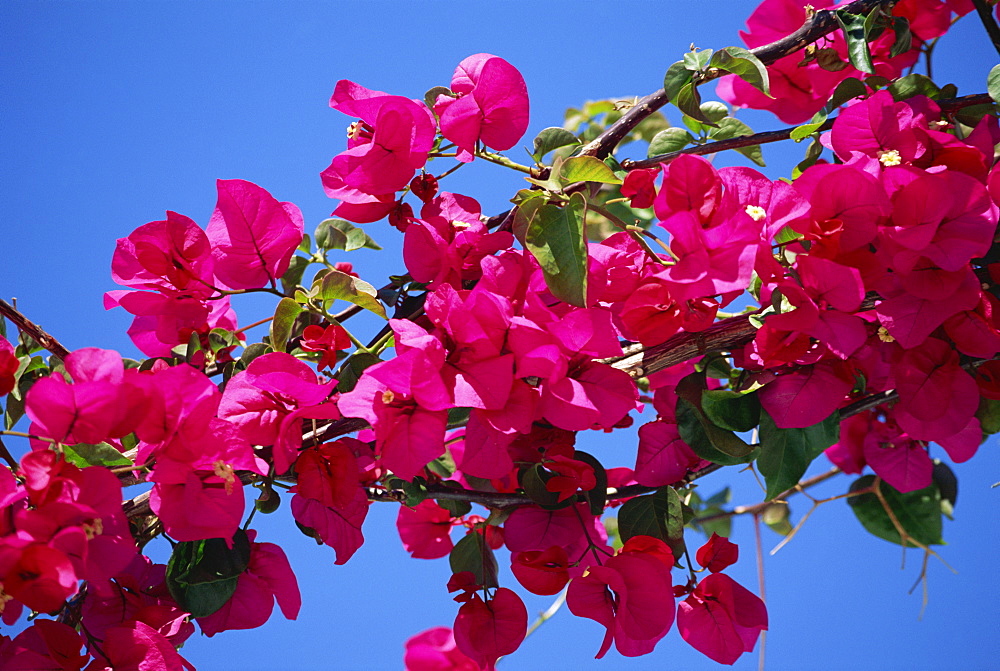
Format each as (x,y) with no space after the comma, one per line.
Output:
(115,112)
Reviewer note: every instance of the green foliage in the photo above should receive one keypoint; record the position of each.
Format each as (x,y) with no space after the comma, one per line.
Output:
(918,513)
(785,454)
(342,235)
(555,237)
(202,575)
(332,285)
(285,314)
(472,553)
(102,454)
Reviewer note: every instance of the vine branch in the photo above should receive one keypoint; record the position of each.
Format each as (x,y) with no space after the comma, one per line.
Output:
(989,23)
(37,333)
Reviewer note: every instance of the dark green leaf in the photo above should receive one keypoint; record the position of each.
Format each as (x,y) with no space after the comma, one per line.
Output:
(993,83)
(350,373)
(730,128)
(455,508)
(914,85)
(669,140)
(785,454)
(306,245)
(587,169)
(552,138)
(904,39)
(472,553)
(947,485)
(643,516)
(731,410)
(973,114)
(102,454)
(458,417)
(829,59)
(293,276)
(673,521)
(598,495)
(813,153)
(252,352)
(676,78)
(744,65)
(267,501)
(555,237)
(918,513)
(688,100)
(853,26)
(336,285)
(850,88)
(284,319)
(532,481)
(706,439)
(202,575)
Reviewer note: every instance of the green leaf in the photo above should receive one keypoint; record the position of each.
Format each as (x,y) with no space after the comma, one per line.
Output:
(853,26)
(102,454)
(914,85)
(730,128)
(335,285)
(850,88)
(688,100)
(343,235)
(285,314)
(252,352)
(202,575)
(350,373)
(455,508)
(805,130)
(696,60)
(785,454)
(432,95)
(587,169)
(676,78)
(829,59)
(813,153)
(673,521)
(706,439)
(306,245)
(669,140)
(777,517)
(904,39)
(944,478)
(918,513)
(714,110)
(993,83)
(643,516)
(744,65)
(731,410)
(597,496)
(472,553)
(552,138)
(293,276)
(555,237)
(532,480)
(988,415)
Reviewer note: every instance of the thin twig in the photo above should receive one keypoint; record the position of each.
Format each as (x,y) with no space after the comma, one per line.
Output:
(989,23)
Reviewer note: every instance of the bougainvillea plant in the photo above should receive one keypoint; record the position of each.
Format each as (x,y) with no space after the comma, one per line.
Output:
(859,291)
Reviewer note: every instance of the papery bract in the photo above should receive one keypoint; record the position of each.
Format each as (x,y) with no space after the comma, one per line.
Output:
(487,630)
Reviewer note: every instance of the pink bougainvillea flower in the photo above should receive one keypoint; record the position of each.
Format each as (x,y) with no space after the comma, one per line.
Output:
(269,399)
(541,571)
(435,650)
(8,366)
(490,105)
(533,529)
(425,530)
(252,235)
(195,505)
(631,595)
(640,187)
(718,553)
(45,645)
(663,458)
(487,630)
(385,146)
(267,578)
(136,646)
(173,256)
(328,341)
(39,576)
(721,619)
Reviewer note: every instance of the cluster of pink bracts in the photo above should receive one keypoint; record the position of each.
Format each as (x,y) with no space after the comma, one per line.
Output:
(905,214)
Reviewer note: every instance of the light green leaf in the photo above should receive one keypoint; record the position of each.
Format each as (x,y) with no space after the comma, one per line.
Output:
(587,169)
(688,100)
(993,83)
(696,61)
(335,285)
(555,237)
(730,128)
(284,318)
(340,234)
(102,454)
(669,140)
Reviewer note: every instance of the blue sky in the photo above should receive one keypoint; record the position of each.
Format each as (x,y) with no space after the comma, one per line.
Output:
(115,112)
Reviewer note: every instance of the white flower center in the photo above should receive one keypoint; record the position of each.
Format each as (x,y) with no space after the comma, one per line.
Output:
(756,212)
(889,158)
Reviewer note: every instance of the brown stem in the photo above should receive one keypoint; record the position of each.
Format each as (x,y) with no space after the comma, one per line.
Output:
(36,332)
(820,24)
